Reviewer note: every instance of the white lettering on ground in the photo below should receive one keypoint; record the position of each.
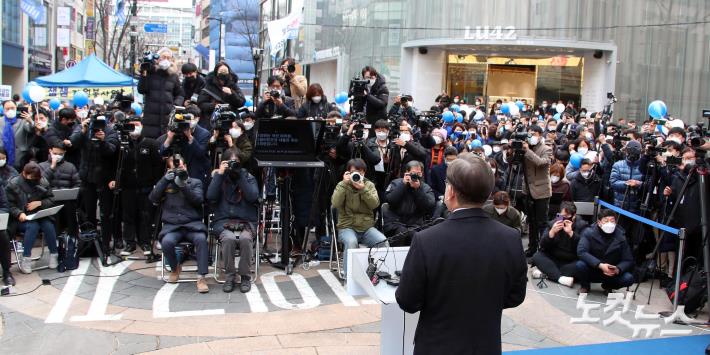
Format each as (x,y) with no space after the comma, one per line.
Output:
(256,302)
(61,307)
(161,305)
(107,281)
(337,288)
(310,300)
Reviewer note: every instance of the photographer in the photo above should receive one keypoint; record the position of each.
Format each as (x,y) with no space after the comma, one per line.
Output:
(160,86)
(355,144)
(376,95)
(62,174)
(274,103)
(585,183)
(355,198)
(403,107)
(316,104)
(234,138)
(61,132)
(99,145)
(15,126)
(220,88)
(294,85)
(233,193)
(192,83)
(537,186)
(627,178)
(142,168)
(688,212)
(410,202)
(181,198)
(405,150)
(28,194)
(557,257)
(187,138)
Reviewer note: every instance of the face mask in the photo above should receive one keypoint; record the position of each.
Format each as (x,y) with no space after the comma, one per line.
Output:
(82,114)
(223,76)
(544,105)
(551,128)
(583,151)
(365,134)
(456,101)
(193,123)
(496,149)
(689,162)
(58,157)
(381,135)
(190,80)
(478,103)
(586,174)
(554,179)
(497,105)
(405,137)
(42,124)
(316,99)
(589,136)
(3,162)
(235,132)
(11,114)
(533,140)
(248,125)
(500,211)
(437,140)
(371,81)
(608,228)
(136,132)
(675,139)
(494,171)
(164,64)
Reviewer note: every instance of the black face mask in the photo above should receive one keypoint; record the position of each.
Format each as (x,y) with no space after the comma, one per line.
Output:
(223,77)
(32,183)
(190,80)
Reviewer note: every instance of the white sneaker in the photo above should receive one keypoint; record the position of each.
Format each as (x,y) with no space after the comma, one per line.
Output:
(25,265)
(566,280)
(536,273)
(158,245)
(53,261)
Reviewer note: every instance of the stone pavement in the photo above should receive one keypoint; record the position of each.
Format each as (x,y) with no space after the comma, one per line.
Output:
(132,311)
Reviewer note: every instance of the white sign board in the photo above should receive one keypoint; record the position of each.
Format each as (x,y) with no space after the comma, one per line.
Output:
(63,37)
(5,92)
(40,37)
(63,16)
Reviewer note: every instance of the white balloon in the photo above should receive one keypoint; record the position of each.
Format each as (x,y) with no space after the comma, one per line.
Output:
(98,100)
(37,93)
(478,116)
(560,108)
(514,110)
(487,150)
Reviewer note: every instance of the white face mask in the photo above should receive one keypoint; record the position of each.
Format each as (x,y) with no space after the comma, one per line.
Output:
(193,123)
(405,137)
(555,179)
(381,135)
(248,125)
(82,114)
(589,136)
(500,211)
(675,139)
(456,101)
(164,64)
(58,157)
(235,132)
(437,140)
(608,228)
(494,171)
(42,124)
(690,162)
(371,81)
(551,128)
(586,175)
(496,149)
(316,99)
(583,151)
(534,140)
(136,131)
(11,114)
(3,162)
(544,105)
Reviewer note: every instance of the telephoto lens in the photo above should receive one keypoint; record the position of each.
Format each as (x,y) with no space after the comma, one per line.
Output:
(181,174)
(415,177)
(355,177)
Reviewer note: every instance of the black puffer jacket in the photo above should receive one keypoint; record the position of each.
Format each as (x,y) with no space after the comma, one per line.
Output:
(212,95)
(143,165)
(376,101)
(63,176)
(98,159)
(162,92)
(58,132)
(20,193)
(584,190)
(315,110)
(407,205)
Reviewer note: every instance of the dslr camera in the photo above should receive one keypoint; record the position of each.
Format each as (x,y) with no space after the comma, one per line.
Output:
(415,177)
(356,177)
(429,119)
(98,123)
(235,167)
(405,99)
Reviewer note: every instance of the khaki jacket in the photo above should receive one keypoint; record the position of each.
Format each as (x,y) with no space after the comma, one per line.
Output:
(537,170)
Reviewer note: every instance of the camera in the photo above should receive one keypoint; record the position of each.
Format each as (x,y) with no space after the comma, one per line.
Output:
(360,129)
(697,135)
(355,177)
(415,177)
(275,94)
(121,102)
(429,119)
(98,123)
(405,98)
(234,165)
(180,120)
(358,86)
(222,119)
(181,174)
(148,59)
(674,161)
(124,125)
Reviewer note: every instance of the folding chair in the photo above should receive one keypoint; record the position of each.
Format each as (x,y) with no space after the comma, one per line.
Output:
(14,245)
(218,255)
(585,208)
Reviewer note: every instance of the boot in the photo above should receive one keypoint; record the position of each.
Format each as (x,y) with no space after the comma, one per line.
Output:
(202,284)
(175,274)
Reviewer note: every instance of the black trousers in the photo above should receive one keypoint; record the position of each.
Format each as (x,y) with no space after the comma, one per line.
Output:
(393,228)
(137,213)
(67,219)
(5,252)
(554,269)
(90,195)
(537,219)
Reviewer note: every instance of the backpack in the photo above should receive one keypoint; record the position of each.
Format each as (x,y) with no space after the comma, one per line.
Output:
(68,253)
(693,288)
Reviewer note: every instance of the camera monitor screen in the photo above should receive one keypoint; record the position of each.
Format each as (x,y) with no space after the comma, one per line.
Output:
(285,141)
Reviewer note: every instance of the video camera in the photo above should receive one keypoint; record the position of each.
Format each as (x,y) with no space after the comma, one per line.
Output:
(149,58)
(429,119)
(121,102)
(519,135)
(698,134)
(179,123)
(98,123)
(360,128)
(223,118)
(607,113)
(358,86)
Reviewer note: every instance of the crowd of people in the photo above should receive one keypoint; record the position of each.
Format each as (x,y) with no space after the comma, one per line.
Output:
(386,173)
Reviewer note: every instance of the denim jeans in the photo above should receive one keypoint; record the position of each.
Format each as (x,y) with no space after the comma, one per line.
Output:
(198,239)
(351,239)
(585,275)
(32,228)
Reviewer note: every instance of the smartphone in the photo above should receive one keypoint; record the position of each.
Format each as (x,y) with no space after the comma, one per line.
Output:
(559,218)
(24,109)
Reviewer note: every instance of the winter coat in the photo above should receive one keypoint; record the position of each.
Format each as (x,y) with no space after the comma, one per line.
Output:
(58,132)
(315,110)
(6,173)
(511,217)
(162,92)
(562,248)
(414,151)
(407,205)
(23,130)
(143,165)
(268,109)
(368,152)
(213,95)
(591,249)
(233,200)
(622,171)
(193,88)
(20,193)
(195,153)
(98,158)
(355,206)
(537,171)
(181,206)
(63,176)
(584,190)
(296,89)
(376,101)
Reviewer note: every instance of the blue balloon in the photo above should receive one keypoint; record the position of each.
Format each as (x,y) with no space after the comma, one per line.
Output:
(26,93)
(1,110)
(54,103)
(476,144)
(448,116)
(80,99)
(249,103)
(556,116)
(341,98)
(520,104)
(576,160)
(137,108)
(657,109)
(455,108)
(505,109)
(343,112)
(459,117)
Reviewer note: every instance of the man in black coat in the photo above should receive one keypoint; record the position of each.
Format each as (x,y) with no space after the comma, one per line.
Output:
(192,83)
(585,184)
(282,105)
(61,131)
(462,273)
(220,88)
(410,201)
(406,149)
(376,95)
(160,85)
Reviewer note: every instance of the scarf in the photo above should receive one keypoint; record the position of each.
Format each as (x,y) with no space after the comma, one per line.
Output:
(8,140)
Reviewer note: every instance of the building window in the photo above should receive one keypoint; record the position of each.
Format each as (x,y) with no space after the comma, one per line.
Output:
(79,23)
(11,21)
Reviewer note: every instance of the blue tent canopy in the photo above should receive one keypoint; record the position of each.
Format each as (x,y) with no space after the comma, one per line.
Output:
(90,72)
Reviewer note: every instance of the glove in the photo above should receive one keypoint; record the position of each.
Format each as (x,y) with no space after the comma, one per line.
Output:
(180,182)
(170,176)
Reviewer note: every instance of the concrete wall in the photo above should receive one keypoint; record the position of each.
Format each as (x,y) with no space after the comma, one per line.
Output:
(325,74)
(598,78)
(425,77)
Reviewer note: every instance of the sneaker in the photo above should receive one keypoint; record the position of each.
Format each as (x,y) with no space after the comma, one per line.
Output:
(158,246)
(18,246)
(202,285)
(25,265)
(566,280)
(118,244)
(536,273)
(7,279)
(245,285)
(228,286)
(147,249)
(175,274)
(128,250)
(53,260)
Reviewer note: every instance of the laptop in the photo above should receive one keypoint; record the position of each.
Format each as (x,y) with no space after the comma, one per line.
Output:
(288,143)
(44,213)
(4,217)
(66,194)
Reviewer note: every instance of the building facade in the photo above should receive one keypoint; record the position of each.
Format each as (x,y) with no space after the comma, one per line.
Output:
(178,16)
(640,50)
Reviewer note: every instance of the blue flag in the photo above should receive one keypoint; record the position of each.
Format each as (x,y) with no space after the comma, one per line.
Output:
(33,10)
(120,12)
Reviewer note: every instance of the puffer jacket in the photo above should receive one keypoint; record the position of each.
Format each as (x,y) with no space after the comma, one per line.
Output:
(537,171)
(98,159)
(233,200)
(355,206)
(63,176)
(622,171)
(315,110)
(19,193)
(213,86)
(407,205)
(376,101)
(58,132)
(584,190)
(162,92)
(181,207)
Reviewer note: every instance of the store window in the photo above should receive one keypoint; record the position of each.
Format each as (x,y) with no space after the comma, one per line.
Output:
(11,21)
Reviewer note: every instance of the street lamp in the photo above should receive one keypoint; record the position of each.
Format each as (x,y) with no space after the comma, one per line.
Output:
(219,54)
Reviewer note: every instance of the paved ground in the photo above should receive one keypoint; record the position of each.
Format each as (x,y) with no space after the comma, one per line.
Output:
(305,313)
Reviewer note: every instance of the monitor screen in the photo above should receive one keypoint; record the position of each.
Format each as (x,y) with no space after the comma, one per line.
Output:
(287,139)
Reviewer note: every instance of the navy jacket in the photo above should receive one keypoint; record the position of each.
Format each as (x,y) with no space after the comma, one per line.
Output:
(438,179)
(622,171)
(407,205)
(591,249)
(195,153)
(233,200)
(181,207)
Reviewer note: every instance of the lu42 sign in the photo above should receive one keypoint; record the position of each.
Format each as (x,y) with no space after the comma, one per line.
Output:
(506,33)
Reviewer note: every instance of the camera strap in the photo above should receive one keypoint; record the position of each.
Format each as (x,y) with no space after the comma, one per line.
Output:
(214,95)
